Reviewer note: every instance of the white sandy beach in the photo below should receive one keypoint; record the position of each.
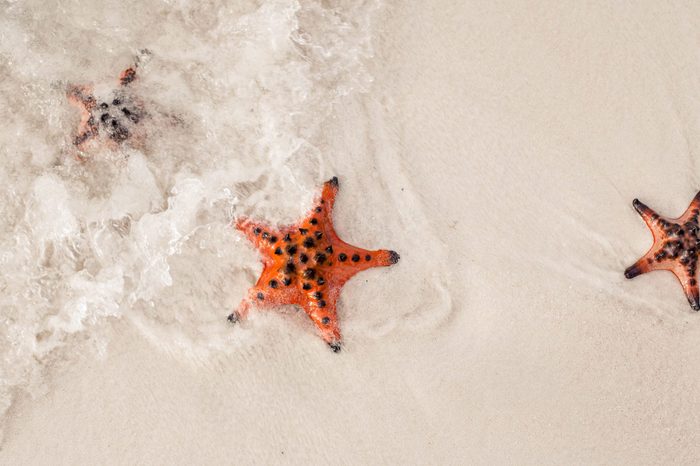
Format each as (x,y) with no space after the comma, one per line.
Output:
(497,146)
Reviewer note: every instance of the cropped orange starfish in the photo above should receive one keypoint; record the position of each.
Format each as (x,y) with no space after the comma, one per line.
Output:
(675,248)
(307,264)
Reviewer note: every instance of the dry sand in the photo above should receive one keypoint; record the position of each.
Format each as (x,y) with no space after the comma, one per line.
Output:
(524,130)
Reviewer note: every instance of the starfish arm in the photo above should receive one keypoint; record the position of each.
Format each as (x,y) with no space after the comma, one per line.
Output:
(81,96)
(127,76)
(643,265)
(84,136)
(324,315)
(328,194)
(323,212)
(262,236)
(651,218)
(686,276)
(691,213)
(353,260)
(269,291)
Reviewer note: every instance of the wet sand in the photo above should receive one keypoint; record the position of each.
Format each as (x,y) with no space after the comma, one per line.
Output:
(519,135)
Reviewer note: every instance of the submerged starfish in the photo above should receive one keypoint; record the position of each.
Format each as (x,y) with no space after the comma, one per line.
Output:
(116,114)
(675,248)
(307,264)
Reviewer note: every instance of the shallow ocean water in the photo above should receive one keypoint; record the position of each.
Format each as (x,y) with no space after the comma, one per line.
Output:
(236,97)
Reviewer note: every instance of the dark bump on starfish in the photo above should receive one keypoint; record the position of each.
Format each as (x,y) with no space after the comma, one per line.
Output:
(318,209)
(273,239)
(313,221)
(355,258)
(256,231)
(309,243)
(104,117)
(394,257)
(303,231)
(278,251)
(334,181)
(321,281)
(320,258)
(318,235)
(287,238)
(120,134)
(303,258)
(273,283)
(287,281)
(326,320)
(317,295)
(321,303)
(116,102)
(309,273)
(329,249)
(261,296)
(104,105)
(342,257)
(368,258)
(126,111)
(306,286)
(335,347)
(291,250)
(290,267)
(692,282)
(265,235)
(233,317)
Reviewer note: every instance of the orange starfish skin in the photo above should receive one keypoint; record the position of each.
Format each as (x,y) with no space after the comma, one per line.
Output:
(675,248)
(307,264)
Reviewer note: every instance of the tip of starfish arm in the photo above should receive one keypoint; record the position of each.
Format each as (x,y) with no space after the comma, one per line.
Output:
(335,346)
(333,181)
(632,272)
(394,257)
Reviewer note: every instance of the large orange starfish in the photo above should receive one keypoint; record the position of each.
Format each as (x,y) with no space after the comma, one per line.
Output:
(307,264)
(675,248)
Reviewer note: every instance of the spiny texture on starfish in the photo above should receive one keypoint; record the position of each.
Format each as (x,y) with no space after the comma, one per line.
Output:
(116,114)
(675,248)
(307,264)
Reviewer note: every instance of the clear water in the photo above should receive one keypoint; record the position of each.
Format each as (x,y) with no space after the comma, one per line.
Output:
(236,98)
